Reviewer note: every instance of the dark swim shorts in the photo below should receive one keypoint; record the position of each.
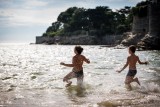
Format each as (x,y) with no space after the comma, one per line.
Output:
(79,73)
(132,73)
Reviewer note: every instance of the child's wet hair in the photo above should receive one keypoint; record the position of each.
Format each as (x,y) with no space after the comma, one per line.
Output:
(132,48)
(79,49)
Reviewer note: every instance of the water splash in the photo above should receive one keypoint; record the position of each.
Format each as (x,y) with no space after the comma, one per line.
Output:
(150,87)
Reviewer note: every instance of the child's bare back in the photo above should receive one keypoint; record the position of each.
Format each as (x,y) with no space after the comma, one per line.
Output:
(78,62)
(132,62)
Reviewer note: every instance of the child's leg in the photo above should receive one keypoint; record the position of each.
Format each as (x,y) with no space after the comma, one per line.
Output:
(130,79)
(136,80)
(80,80)
(128,86)
(68,77)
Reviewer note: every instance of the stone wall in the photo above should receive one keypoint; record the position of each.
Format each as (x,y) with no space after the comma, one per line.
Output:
(80,40)
(77,40)
(42,39)
(111,39)
(151,22)
(154,19)
(139,24)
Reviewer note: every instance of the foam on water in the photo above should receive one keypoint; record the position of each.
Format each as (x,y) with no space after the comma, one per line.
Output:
(150,87)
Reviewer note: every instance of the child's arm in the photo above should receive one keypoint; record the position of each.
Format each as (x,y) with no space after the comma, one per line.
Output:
(68,65)
(142,62)
(124,65)
(86,60)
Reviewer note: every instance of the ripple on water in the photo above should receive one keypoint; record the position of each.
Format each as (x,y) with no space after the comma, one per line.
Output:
(39,72)
(7,88)
(6,78)
(130,99)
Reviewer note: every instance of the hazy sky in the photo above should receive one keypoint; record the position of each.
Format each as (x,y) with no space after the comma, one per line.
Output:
(23,20)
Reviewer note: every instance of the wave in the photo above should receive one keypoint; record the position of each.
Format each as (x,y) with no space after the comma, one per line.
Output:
(150,87)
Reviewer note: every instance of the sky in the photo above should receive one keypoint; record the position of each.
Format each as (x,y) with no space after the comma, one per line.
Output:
(23,20)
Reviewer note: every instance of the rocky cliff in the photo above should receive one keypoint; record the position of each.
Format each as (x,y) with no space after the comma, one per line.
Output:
(146,30)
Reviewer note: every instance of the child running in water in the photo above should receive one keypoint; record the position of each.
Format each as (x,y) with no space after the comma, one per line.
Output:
(77,71)
(131,61)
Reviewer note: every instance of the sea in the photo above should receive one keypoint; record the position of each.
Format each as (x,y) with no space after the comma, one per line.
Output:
(31,76)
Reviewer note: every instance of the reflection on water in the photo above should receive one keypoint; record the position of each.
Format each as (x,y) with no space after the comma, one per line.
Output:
(30,76)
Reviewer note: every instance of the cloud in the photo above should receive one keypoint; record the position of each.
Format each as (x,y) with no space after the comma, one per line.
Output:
(31,4)
(25,13)
(35,3)
(44,12)
(24,17)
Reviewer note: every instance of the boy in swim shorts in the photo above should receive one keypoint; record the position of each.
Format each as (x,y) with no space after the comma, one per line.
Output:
(131,61)
(77,63)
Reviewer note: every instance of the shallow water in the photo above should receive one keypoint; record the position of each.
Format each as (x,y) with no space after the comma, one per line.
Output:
(30,76)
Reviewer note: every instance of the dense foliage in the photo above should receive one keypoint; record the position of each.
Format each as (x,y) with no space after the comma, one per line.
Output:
(141,9)
(99,21)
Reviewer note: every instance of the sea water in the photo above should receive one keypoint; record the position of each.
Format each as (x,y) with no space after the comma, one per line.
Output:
(31,76)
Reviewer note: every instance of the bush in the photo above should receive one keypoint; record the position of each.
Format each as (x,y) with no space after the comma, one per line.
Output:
(140,10)
(121,29)
(44,34)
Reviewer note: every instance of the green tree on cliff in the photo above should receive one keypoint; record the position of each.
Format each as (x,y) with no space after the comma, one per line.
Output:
(99,21)
(141,9)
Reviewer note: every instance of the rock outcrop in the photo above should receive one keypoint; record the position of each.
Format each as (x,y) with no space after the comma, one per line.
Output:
(149,42)
(146,30)
(152,40)
(132,39)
